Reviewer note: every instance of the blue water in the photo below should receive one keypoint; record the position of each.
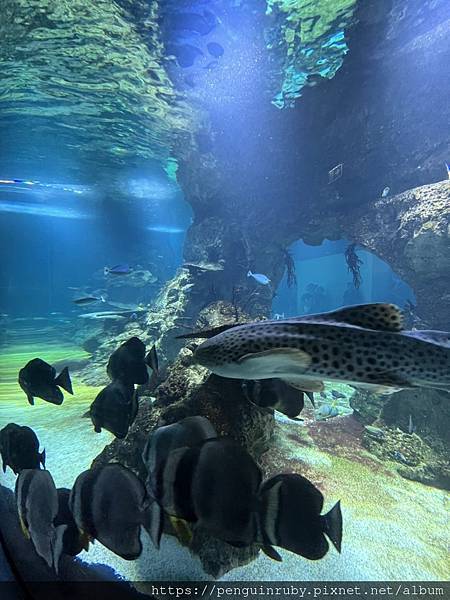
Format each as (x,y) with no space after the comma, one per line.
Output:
(126,141)
(61,241)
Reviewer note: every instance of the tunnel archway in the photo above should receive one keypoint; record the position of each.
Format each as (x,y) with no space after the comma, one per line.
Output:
(324,282)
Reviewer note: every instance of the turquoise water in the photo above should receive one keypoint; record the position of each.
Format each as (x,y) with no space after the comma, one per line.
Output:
(192,142)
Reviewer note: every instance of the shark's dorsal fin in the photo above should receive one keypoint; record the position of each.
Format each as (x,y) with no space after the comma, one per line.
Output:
(377,316)
(207,333)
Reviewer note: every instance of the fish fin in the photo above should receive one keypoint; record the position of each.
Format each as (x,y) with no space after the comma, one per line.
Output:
(378,316)
(86,415)
(440,338)
(58,546)
(288,358)
(182,530)
(97,429)
(387,383)
(63,380)
(84,540)
(153,522)
(207,333)
(30,399)
(152,359)
(332,522)
(311,398)
(24,527)
(4,465)
(42,458)
(270,517)
(306,385)
(271,553)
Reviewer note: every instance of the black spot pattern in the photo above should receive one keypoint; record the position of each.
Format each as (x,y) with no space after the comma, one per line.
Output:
(339,351)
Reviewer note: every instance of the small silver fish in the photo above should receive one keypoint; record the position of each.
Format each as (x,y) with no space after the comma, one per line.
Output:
(399,457)
(385,192)
(326,411)
(375,432)
(259,277)
(88,300)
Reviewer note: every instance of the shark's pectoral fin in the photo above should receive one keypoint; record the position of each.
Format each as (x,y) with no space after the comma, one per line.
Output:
(380,389)
(276,361)
(306,385)
(387,383)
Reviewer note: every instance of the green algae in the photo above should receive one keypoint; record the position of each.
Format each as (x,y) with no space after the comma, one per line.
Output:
(309,37)
(69,439)
(13,358)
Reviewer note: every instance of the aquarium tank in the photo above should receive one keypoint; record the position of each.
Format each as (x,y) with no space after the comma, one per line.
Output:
(224,298)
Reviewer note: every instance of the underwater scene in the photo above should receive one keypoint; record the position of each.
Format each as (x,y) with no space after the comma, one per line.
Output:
(224,293)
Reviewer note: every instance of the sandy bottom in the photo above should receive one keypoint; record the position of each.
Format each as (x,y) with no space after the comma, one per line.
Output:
(394,529)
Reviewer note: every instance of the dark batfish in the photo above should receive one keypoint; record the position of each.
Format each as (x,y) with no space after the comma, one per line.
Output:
(129,362)
(188,432)
(290,518)
(115,409)
(38,379)
(69,540)
(215,49)
(278,395)
(19,448)
(224,491)
(215,486)
(110,504)
(37,504)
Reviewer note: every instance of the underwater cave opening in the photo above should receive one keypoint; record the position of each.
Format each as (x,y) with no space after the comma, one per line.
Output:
(325,281)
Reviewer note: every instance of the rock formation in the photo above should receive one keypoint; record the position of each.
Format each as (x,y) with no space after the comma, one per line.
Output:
(373,117)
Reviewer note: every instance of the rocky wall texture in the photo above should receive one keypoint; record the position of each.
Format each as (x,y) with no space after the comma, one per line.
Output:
(411,232)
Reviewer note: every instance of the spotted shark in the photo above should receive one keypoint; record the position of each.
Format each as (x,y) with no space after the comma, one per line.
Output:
(363,346)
